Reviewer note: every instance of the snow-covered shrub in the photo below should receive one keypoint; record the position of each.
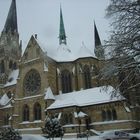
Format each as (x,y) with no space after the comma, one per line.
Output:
(9,133)
(53,128)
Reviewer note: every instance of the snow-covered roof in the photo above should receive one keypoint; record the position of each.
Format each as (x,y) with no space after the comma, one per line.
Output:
(63,53)
(49,94)
(4,100)
(12,79)
(84,98)
(85,52)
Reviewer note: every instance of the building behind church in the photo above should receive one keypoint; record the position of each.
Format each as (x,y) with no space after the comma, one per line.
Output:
(37,84)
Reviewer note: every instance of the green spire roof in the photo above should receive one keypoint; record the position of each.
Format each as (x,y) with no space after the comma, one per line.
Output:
(11,21)
(62,35)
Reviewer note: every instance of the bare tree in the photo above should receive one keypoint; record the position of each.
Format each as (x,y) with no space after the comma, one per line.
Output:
(124,43)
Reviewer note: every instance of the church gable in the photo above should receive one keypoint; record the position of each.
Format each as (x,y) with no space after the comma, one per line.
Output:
(32,51)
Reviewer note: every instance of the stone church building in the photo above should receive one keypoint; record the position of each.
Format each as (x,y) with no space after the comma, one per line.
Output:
(37,84)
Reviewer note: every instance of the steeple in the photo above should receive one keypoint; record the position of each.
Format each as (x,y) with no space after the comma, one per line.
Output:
(96,36)
(62,35)
(11,21)
(98,50)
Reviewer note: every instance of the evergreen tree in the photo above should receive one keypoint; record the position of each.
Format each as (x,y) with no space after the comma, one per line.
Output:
(53,128)
(9,134)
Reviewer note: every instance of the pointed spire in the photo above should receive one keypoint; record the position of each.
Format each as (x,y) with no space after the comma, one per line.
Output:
(62,35)
(96,36)
(98,50)
(11,21)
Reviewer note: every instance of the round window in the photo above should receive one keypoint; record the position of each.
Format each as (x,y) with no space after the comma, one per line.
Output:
(32,82)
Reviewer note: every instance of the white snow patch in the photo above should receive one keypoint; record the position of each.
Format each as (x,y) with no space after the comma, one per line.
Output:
(29,61)
(127,108)
(32,137)
(29,97)
(12,79)
(28,122)
(49,94)
(85,52)
(6,106)
(4,100)
(45,67)
(81,114)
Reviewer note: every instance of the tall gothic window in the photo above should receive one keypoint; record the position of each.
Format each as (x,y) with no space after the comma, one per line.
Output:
(2,66)
(87,77)
(66,81)
(66,121)
(6,119)
(37,111)
(114,114)
(68,118)
(109,115)
(10,64)
(25,113)
(104,115)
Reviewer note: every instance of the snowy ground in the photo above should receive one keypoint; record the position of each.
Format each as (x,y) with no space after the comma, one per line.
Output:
(39,137)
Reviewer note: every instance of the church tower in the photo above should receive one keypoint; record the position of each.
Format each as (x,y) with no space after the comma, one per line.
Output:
(10,50)
(98,50)
(62,34)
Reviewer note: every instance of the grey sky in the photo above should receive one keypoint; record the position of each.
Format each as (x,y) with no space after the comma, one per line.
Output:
(42,17)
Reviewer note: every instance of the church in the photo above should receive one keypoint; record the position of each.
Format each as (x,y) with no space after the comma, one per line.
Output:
(35,84)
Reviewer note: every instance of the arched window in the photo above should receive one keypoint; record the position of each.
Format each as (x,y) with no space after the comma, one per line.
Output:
(104,115)
(6,119)
(70,118)
(114,114)
(37,111)
(25,113)
(66,81)
(2,66)
(109,115)
(65,119)
(10,64)
(87,77)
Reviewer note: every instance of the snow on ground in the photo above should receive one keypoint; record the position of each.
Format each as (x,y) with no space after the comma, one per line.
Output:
(39,137)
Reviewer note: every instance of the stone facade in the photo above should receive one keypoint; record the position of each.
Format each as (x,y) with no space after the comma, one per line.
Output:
(26,108)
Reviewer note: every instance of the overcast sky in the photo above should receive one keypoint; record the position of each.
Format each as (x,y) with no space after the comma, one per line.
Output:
(42,17)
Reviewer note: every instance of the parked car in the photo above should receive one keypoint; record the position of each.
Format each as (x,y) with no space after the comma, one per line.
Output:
(119,135)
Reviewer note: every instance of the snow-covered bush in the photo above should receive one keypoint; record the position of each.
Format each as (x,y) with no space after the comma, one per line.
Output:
(53,128)
(9,133)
